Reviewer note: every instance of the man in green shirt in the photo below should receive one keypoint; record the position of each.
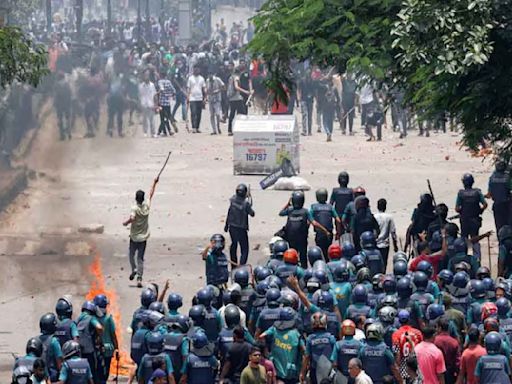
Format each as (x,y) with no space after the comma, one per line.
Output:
(139,232)
(254,373)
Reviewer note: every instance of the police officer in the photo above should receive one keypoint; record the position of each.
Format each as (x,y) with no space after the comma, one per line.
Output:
(503,305)
(460,249)
(326,304)
(174,303)
(176,344)
(216,262)
(321,216)
(478,294)
(347,348)
(404,292)
(242,278)
(374,259)
(155,357)
(377,358)
(421,296)
(33,350)
(147,296)
(359,306)
(89,333)
(461,295)
(258,304)
(470,204)
(270,314)
(319,347)
(341,196)
(341,286)
(138,341)
(499,191)
(212,322)
(363,221)
(493,367)
(237,223)
(350,209)
(52,352)
(227,334)
(75,370)
(422,216)
(505,252)
(66,327)
(200,365)
(297,225)
(109,343)
(289,267)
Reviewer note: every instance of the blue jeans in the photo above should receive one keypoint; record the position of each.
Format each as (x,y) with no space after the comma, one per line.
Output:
(328,120)
(180,100)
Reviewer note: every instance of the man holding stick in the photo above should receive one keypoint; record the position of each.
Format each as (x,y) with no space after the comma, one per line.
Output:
(139,232)
(139,229)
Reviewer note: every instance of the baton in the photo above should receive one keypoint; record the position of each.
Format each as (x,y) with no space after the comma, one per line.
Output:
(166,160)
(489,253)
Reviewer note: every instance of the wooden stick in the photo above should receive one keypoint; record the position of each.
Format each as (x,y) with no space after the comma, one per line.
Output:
(163,167)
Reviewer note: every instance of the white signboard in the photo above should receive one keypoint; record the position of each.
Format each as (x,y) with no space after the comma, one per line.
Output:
(262,142)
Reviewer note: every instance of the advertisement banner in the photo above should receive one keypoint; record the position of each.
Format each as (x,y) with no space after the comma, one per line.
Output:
(262,143)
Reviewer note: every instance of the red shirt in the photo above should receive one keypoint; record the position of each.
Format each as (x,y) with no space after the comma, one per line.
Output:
(403,346)
(468,362)
(430,361)
(450,348)
(432,259)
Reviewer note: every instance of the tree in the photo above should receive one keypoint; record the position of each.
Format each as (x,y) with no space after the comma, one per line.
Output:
(454,56)
(20,58)
(447,55)
(340,33)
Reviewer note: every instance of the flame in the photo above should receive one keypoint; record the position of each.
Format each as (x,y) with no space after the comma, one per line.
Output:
(98,286)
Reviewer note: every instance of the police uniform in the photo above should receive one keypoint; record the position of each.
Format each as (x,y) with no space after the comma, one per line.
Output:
(318,344)
(296,229)
(324,214)
(75,371)
(217,273)
(469,201)
(238,225)
(499,189)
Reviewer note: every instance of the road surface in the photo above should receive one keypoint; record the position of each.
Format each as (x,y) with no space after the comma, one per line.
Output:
(85,181)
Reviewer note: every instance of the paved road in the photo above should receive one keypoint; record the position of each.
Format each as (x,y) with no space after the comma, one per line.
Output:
(94,181)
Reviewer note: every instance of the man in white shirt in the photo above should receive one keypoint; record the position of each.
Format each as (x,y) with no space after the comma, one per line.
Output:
(355,370)
(366,99)
(147,93)
(387,229)
(196,88)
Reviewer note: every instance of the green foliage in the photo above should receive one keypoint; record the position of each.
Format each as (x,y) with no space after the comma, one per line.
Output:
(447,55)
(20,58)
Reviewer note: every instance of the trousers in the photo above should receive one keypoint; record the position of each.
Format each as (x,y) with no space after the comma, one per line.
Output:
(138,247)
(196,109)
(239,236)
(323,241)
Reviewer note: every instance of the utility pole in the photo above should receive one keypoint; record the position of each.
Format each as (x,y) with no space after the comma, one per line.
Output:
(49,15)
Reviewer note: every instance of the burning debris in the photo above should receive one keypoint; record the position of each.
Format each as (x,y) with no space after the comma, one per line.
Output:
(121,364)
